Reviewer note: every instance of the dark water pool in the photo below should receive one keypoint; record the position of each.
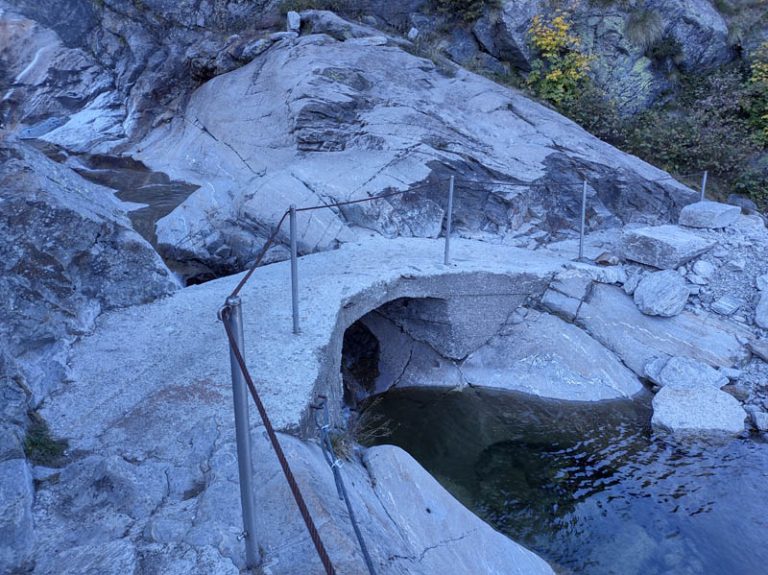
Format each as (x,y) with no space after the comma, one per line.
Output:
(589,487)
(134,182)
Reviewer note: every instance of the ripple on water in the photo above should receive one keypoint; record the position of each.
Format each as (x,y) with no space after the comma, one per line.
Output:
(588,486)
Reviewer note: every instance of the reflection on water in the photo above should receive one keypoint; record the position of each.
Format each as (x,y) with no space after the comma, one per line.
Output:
(134,182)
(589,487)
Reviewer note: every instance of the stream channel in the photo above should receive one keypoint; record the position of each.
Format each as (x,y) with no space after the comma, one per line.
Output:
(590,487)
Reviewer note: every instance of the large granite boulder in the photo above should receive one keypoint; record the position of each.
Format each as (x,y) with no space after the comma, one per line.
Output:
(761,311)
(709,215)
(16,498)
(611,317)
(369,119)
(504,33)
(687,372)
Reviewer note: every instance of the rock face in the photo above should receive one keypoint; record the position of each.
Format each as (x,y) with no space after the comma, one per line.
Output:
(68,251)
(697,409)
(551,358)
(709,215)
(504,35)
(370,119)
(115,65)
(663,293)
(663,247)
(612,318)
(411,524)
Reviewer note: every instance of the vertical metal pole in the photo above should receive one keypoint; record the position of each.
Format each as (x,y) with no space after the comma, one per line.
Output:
(234,317)
(704,185)
(583,219)
(448,223)
(294,272)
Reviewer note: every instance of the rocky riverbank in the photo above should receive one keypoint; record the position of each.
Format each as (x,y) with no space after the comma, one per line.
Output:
(100,341)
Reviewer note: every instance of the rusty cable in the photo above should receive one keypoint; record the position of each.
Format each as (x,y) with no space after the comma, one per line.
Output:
(308,521)
(261,255)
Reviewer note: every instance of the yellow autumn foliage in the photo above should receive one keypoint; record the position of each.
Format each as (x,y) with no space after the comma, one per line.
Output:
(560,66)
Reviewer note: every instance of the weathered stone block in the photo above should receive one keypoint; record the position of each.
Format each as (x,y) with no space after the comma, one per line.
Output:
(664,247)
(687,372)
(709,215)
(761,312)
(16,498)
(662,293)
(692,409)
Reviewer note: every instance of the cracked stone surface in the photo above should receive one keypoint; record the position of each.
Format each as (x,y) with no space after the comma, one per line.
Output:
(317,119)
(153,453)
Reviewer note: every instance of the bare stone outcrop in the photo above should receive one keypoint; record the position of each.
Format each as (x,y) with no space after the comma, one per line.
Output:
(611,317)
(372,119)
(761,312)
(687,372)
(68,251)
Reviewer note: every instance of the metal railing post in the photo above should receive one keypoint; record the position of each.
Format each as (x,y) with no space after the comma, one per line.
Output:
(583,219)
(704,185)
(233,316)
(448,223)
(294,271)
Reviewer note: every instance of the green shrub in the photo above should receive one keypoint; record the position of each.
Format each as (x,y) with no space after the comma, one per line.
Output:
(757,93)
(40,447)
(597,113)
(341,6)
(467,10)
(664,49)
(753,182)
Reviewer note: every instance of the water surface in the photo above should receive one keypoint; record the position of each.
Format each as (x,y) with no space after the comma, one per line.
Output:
(588,486)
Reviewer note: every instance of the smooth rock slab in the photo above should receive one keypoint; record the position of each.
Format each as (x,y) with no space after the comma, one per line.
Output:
(664,247)
(410,523)
(662,293)
(687,372)
(709,215)
(612,318)
(697,409)
(550,358)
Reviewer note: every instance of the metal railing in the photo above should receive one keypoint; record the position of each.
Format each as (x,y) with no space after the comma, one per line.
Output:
(242,382)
